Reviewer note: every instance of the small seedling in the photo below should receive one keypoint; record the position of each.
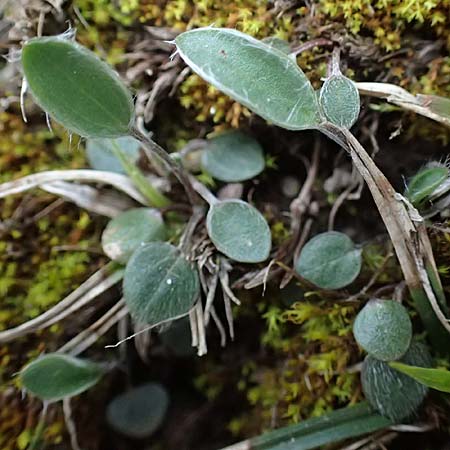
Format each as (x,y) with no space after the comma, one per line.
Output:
(130,230)
(383,329)
(55,376)
(139,412)
(329,260)
(238,230)
(159,284)
(101,153)
(233,157)
(393,394)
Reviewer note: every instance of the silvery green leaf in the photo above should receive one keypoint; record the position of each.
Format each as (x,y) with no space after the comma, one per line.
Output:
(329,260)
(76,88)
(130,230)
(177,337)
(55,376)
(159,283)
(394,394)
(101,156)
(239,230)
(260,77)
(139,412)
(383,329)
(233,157)
(339,99)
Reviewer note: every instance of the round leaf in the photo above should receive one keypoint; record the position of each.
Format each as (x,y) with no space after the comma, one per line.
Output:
(329,260)
(383,329)
(239,230)
(259,76)
(76,88)
(425,182)
(131,229)
(139,412)
(339,99)
(393,394)
(56,376)
(100,153)
(233,157)
(159,283)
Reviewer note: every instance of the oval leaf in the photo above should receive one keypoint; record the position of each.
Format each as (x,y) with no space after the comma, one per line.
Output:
(392,394)
(233,157)
(159,283)
(139,412)
(383,329)
(259,76)
(438,379)
(239,230)
(424,183)
(101,156)
(130,230)
(56,376)
(76,88)
(329,260)
(339,99)
(177,338)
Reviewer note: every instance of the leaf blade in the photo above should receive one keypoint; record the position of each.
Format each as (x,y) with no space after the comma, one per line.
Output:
(258,76)
(54,376)
(76,88)
(438,379)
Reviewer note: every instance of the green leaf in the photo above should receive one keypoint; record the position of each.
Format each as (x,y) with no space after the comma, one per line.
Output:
(159,283)
(130,230)
(76,88)
(329,428)
(383,329)
(239,230)
(233,157)
(259,76)
(329,260)
(139,412)
(425,182)
(339,99)
(438,379)
(393,394)
(55,376)
(437,104)
(100,153)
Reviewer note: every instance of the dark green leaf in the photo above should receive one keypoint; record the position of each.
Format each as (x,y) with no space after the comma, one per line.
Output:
(159,283)
(383,329)
(56,376)
(329,260)
(438,379)
(130,230)
(239,230)
(76,88)
(393,394)
(139,412)
(256,75)
(100,153)
(233,157)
